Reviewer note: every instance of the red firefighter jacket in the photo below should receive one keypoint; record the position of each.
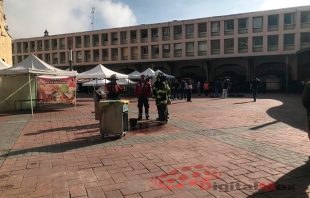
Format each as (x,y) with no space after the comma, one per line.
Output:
(114,88)
(145,90)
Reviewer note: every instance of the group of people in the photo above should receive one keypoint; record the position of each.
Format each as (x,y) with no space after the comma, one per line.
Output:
(160,90)
(182,90)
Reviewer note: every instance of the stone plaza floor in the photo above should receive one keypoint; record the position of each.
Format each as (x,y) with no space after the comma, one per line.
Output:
(210,148)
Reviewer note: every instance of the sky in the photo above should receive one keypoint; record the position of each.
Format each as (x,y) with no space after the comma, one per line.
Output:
(30,18)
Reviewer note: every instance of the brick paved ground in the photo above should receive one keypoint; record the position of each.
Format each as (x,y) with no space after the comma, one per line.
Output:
(209,147)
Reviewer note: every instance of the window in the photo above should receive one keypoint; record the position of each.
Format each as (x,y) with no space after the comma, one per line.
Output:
(215,26)
(114,52)
(202,46)
(123,36)
(105,37)
(305,17)
(215,44)
(273,40)
(305,37)
(243,23)
(258,22)
(289,39)
(114,37)
(125,52)
(178,48)
(202,27)
(229,25)
(155,50)
(189,29)
(134,51)
(273,20)
(289,19)
(166,49)
(258,41)
(166,31)
(144,34)
(242,43)
(190,47)
(154,32)
(229,43)
(133,34)
(105,53)
(145,50)
(177,30)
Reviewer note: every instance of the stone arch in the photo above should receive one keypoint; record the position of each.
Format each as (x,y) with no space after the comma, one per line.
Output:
(274,73)
(237,74)
(194,72)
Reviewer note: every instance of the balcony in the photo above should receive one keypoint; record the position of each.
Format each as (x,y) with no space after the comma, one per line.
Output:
(228,50)
(144,40)
(134,57)
(243,31)
(166,38)
(273,28)
(304,45)
(87,44)
(155,38)
(215,51)
(178,54)
(189,36)
(289,26)
(124,42)
(96,59)
(155,55)
(202,34)
(115,58)
(273,48)
(178,37)
(257,49)
(105,43)
(189,53)
(229,32)
(202,53)
(289,47)
(133,40)
(305,24)
(256,30)
(166,55)
(96,44)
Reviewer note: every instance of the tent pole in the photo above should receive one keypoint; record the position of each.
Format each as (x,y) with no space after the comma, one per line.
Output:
(30,95)
(75,93)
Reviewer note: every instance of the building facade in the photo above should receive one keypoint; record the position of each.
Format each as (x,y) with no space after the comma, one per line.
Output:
(237,46)
(5,39)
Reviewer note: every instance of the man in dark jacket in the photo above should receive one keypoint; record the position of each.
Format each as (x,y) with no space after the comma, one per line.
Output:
(254,86)
(143,90)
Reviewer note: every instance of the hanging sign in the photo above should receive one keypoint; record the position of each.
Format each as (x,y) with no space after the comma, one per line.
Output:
(57,89)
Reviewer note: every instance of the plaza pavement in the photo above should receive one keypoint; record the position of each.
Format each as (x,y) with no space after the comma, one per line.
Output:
(208,148)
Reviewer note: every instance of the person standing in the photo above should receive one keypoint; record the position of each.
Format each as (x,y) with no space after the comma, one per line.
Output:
(225,89)
(162,96)
(143,91)
(189,88)
(206,88)
(198,88)
(112,89)
(254,87)
(217,85)
(183,90)
(305,99)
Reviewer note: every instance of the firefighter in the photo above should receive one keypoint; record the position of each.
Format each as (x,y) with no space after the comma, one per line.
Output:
(162,96)
(143,90)
(112,89)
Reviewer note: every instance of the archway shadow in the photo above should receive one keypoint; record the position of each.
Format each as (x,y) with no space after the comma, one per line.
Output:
(293,184)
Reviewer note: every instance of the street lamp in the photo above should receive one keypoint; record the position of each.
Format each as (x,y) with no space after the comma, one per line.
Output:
(70,60)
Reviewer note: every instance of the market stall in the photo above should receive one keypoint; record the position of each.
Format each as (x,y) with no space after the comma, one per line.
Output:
(4,65)
(14,81)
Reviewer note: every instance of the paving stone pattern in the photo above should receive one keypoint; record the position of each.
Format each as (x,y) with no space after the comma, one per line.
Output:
(60,153)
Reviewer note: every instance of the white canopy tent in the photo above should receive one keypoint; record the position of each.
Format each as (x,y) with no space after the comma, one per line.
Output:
(136,75)
(100,72)
(31,66)
(167,76)
(4,65)
(103,82)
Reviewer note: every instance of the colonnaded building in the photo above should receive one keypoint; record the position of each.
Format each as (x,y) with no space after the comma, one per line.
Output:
(267,44)
(5,38)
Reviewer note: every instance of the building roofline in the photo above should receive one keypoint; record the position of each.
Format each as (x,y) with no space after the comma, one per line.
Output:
(194,19)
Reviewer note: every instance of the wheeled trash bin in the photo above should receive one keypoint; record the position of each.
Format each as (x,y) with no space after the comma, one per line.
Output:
(113,116)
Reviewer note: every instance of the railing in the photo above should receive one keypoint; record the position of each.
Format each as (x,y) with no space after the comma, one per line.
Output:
(273,28)
(229,32)
(229,51)
(202,34)
(215,51)
(189,53)
(144,40)
(134,57)
(243,31)
(202,53)
(178,37)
